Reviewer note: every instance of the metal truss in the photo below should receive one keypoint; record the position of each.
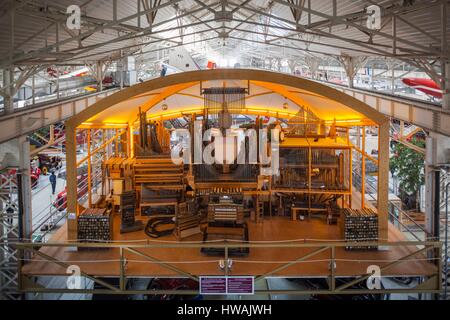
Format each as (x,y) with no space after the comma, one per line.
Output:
(238,19)
(9,234)
(261,29)
(251,29)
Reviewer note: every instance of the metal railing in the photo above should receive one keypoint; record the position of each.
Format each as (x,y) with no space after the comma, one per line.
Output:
(319,254)
(445,196)
(52,98)
(54,212)
(395,211)
(357,88)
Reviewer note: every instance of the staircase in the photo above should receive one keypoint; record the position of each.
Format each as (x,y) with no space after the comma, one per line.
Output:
(179,123)
(415,229)
(410,227)
(47,139)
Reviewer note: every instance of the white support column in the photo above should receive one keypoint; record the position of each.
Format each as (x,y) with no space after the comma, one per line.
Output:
(15,154)
(33,88)
(393,80)
(292,64)
(120,71)
(313,64)
(8,83)
(24,168)
(57,83)
(100,75)
(351,66)
(446,86)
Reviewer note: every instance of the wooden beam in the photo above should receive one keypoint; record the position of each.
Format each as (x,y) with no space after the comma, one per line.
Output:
(363,170)
(130,140)
(412,133)
(383,180)
(71,169)
(410,145)
(116,146)
(281,90)
(350,176)
(228,74)
(89,168)
(90,125)
(366,155)
(101,146)
(165,94)
(48,145)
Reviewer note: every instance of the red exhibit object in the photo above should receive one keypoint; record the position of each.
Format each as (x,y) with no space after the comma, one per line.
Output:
(211,65)
(427,86)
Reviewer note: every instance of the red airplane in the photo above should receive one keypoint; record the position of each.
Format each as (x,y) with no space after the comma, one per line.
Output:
(427,86)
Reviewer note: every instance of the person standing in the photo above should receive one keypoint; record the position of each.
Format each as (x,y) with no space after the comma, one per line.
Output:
(163,71)
(53,182)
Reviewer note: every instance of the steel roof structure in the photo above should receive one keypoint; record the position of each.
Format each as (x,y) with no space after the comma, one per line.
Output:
(35,32)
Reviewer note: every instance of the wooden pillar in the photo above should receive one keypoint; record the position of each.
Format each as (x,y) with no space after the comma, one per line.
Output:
(309,179)
(116,144)
(89,169)
(128,147)
(124,148)
(105,136)
(350,177)
(383,179)
(71,169)
(363,169)
(130,141)
(52,133)
(191,143)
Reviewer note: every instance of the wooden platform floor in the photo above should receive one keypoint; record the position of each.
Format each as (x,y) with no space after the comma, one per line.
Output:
(104,262)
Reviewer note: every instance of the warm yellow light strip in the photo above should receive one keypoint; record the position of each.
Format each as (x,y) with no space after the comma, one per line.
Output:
(350,122)
(343,120)
(114,124)
(248,110)
(109,125)
(166,115)
(251,110)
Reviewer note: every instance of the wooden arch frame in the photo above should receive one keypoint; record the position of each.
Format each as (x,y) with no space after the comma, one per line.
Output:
(228,74)
(233,74)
